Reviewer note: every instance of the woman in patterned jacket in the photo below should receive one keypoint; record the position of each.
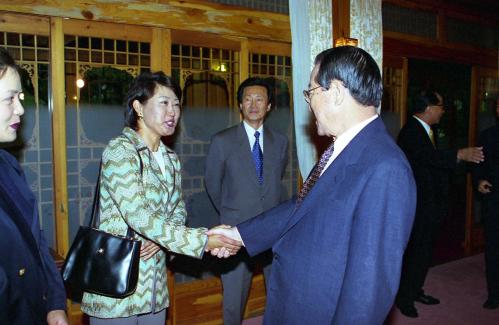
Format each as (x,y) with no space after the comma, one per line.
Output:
(140,187)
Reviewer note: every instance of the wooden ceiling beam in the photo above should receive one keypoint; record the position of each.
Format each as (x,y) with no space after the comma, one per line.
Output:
(197,16)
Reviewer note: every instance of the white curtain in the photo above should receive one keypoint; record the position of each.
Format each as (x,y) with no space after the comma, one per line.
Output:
(311,33)
(366,26)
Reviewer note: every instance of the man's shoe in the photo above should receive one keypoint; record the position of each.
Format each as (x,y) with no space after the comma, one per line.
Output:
(408,310)
(491,304)
(427,299)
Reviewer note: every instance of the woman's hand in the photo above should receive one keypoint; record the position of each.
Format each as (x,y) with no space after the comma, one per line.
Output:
(148,249)
(220,243)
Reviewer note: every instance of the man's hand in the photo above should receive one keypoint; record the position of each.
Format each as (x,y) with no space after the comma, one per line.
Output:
(484,186)
(57,317)
(471,154)
(223,242)
(148,249)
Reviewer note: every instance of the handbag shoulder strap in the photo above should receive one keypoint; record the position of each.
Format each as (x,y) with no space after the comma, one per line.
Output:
(95,216)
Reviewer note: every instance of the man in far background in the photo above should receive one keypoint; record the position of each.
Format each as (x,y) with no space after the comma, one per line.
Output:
(487,179)
(244,168)
(431,167)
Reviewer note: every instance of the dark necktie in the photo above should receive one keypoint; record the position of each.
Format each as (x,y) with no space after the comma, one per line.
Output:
(257,154)
(315,174)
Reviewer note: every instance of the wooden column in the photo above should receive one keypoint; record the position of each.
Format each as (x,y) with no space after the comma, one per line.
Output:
(243,67)
(341,19)
(403,101)
(58,110)
(474,101)
(161,50)
(244,60)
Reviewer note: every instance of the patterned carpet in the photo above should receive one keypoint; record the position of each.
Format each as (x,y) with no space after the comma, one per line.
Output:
(460,286)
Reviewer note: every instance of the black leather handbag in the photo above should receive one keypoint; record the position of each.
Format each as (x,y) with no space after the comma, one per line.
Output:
(100,262)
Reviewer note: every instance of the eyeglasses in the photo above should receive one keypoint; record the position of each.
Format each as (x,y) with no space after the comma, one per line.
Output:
(308,93)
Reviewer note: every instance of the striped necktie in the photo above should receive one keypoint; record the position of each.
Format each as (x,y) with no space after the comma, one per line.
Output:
(257,154)
(315,174)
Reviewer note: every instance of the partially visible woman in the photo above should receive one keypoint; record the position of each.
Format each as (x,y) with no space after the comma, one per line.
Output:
(140,187)
(33,290)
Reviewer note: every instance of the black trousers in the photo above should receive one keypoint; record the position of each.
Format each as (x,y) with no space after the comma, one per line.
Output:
(417,258)
(490,217)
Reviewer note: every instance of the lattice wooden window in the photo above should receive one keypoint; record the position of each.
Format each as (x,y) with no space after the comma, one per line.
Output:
(209,65)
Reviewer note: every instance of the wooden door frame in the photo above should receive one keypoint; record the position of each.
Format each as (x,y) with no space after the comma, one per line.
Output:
(473,234)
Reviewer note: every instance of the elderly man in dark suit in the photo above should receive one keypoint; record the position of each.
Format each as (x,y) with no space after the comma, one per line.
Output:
(431,167)
(244,168)
(338,246)
(487,179)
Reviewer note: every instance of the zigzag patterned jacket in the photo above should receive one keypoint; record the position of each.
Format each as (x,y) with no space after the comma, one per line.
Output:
(150,204)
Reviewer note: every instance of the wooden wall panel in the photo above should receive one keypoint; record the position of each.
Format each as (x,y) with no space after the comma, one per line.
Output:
(24,24)
(199,302)
(399,45)
(107,30)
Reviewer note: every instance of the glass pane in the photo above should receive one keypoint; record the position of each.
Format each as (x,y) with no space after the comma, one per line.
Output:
(133,47)
(28,40)
(83,56)
(69,41)
(94,115)
(145,48)
(108,44)
(96,43)
(206,110)
(121,46)
(83,42)
(96,56)
(13,38)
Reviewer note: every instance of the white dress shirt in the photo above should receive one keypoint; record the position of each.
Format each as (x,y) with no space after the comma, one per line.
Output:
(343,140)
(251,135)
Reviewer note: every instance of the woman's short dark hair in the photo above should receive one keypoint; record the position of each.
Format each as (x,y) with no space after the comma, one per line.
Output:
(355,68)
(6,61)
(142,89)
(254,81)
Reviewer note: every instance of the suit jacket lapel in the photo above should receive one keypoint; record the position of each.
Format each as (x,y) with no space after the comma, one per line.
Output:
(337,171)
(423,134)
(333,175)
(15,203)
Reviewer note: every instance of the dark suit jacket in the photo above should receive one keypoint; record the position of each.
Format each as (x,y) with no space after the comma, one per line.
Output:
(34,285)
(489,169)
(431,169)
(337,258)
(4,302)
(231,179)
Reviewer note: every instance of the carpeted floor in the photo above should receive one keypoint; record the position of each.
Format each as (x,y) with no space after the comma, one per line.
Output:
(460,286)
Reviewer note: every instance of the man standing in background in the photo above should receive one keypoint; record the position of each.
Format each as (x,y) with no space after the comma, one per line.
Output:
(487,176)
(431,167)
(244,169)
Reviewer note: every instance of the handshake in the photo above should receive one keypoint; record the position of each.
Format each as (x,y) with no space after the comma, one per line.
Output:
(223,241)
